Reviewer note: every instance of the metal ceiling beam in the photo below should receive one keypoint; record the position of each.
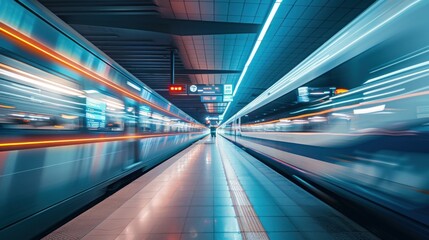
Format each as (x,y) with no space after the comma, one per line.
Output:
(162,25)
(121,42)
(188,71)
(123,46)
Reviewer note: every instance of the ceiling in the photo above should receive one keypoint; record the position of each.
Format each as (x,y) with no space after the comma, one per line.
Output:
(211,40)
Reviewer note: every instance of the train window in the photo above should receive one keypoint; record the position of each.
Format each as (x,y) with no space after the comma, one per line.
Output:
(130,119)
(104,113)
(34,99)
(144,118)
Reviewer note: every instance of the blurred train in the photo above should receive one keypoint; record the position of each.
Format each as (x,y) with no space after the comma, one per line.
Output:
(72,122)
(369,143)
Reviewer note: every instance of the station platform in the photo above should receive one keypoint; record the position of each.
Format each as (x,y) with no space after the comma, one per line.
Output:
(211,190)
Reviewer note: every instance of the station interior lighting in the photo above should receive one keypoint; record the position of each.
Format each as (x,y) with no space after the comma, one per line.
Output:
(333,52)
(258,42)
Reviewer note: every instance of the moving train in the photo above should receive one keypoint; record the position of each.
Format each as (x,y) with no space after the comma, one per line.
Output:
(369,143)
(72,122)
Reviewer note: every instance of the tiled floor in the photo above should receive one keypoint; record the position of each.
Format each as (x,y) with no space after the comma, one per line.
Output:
(213,190)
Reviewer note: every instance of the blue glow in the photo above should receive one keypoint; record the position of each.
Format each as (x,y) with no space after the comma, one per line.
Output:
(336,50)
(256,46)
(258,42)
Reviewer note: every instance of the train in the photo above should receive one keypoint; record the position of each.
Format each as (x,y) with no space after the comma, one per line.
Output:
(368,142)
(73,122)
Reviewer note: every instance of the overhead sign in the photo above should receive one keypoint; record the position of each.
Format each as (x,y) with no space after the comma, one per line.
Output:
(212,99)
(227,89)
(202,89)
(227,98)
(212,118)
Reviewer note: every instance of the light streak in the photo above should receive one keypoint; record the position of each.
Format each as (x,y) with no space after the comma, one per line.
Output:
(40,48)
(58,142)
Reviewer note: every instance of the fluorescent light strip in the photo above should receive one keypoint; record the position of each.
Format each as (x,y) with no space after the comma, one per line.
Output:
(258,42)
(255,47)
(373,16)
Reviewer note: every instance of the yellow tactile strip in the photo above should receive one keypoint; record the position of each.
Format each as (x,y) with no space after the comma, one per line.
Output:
(248,221)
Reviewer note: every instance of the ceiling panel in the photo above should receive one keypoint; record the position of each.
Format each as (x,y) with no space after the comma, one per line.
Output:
(212,35)
(298,29)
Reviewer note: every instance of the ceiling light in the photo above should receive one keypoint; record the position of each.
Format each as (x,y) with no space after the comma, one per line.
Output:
(346,44)
(256,46)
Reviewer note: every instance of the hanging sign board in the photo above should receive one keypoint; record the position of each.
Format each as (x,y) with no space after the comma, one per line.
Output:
(202,89)
(212,99)
(227,89)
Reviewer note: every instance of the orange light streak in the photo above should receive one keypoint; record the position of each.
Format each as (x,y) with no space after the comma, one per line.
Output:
(340,91)
(50,143)
(39,47)
(6,106)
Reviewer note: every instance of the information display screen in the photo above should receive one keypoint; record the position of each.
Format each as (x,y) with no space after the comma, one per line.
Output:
(212,99)
(95,114)
(201,89)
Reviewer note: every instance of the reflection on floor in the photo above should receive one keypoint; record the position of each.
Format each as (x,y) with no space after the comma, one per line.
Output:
(212,190)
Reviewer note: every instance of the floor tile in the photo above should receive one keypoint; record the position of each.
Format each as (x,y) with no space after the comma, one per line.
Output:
(168,225)
(125,213)
(111,226)
(294,211)
(163,236)
(205,211)
(277,224)
(199,225)
(285,236)
(222,201)
(228,236)
(202,201)
(224,211)
(100,237)
(307,224)
(169,212)
(226,224)
(197,236)
(268,211)
(191,199)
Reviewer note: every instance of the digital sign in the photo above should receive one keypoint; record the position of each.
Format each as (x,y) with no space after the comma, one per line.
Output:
(177,89)
(227,89)
(212,99)
(202,89)
(227,98)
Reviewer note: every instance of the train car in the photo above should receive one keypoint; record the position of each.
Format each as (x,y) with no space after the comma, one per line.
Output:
(72,122)
(369,142)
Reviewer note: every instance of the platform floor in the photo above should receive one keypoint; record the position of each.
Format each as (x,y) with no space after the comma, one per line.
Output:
(212,190)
